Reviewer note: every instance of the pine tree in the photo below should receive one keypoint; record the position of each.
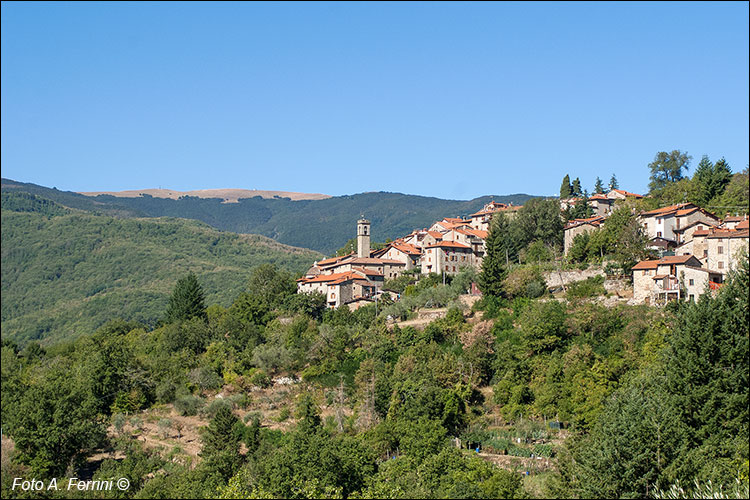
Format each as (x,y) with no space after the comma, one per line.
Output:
(221,443)
(712,179)
(494,264)
(613,184)
(565,188)
(187,300)
(598,187)
(576,187)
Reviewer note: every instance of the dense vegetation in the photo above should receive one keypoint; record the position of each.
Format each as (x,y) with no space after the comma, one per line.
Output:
(648,396)
(322,225)
(66,273)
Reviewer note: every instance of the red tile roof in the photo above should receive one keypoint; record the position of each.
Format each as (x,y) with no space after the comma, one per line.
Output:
(406,248)
(729,233)
(745,224)
(325,278)
(646,264)
(594,221)
(367,272)
(626,193)
(666,210)
(449,244)
(670,259)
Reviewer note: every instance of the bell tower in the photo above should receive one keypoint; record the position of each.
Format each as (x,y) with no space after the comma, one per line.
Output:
(363,237)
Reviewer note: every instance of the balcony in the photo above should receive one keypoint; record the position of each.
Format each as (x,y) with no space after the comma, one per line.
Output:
(666,284)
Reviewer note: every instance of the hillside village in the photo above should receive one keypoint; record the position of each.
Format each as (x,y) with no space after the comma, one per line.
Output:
(694,249)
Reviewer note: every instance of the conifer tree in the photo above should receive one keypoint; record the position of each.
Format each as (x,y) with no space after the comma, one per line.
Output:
(494,268)
(221,443)
(598,187)
(576,187)
(613,184)
(565,188)
(187,300)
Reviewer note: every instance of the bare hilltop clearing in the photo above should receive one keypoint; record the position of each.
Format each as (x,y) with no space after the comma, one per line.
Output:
(230,195)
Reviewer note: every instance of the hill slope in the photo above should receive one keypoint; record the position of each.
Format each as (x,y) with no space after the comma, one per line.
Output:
(65,275)
(322,225)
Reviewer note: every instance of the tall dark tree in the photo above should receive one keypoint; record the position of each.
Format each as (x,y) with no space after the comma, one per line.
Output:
(599,186)
(582,209)
(708,375)
(565,188)
(187,300)
(576,187)
(494,268)
(613,184)
(712,179)
(667,168)
(221,442)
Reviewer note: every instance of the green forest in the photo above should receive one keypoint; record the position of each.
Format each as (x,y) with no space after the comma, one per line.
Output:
(66,272)
(322,225)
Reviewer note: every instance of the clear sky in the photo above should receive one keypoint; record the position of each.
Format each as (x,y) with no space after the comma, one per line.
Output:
(453,100)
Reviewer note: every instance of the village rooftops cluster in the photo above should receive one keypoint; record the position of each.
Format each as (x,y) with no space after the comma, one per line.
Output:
(697,250)
(447,246)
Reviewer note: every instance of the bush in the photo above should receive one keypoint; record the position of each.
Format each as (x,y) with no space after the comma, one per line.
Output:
(525,282)
(205,378)
(590,287)
(260,378)
(165,392)
(217,404)
(188,406)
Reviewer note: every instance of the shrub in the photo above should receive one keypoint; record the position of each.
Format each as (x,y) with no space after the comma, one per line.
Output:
(260,378)
(590,287)
(205,378)
(188,406)
(215,405)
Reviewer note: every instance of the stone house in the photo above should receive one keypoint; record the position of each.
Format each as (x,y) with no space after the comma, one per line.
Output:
(407,253)
(672,277)
(446,256)
(621,194)
(662,222)
(601,204)
(481,219)
(725,248)
(579,226)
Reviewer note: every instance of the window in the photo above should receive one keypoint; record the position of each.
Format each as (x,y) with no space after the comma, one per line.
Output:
(692,298)
(721,264)
(658,234)
(692,282)
(705,253)
(721,250)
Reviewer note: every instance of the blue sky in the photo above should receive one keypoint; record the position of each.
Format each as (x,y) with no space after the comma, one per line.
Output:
(439,99)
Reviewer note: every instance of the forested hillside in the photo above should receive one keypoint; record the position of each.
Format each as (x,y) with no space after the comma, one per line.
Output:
(322,225)
(66,272)
(298,402)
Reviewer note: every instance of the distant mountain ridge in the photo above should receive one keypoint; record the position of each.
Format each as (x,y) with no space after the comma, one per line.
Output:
(229,195)
(323,225)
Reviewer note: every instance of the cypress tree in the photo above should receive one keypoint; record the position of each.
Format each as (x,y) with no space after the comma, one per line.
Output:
(576,187)
(494,264)
(613,184)
(565,188)
(187,300)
